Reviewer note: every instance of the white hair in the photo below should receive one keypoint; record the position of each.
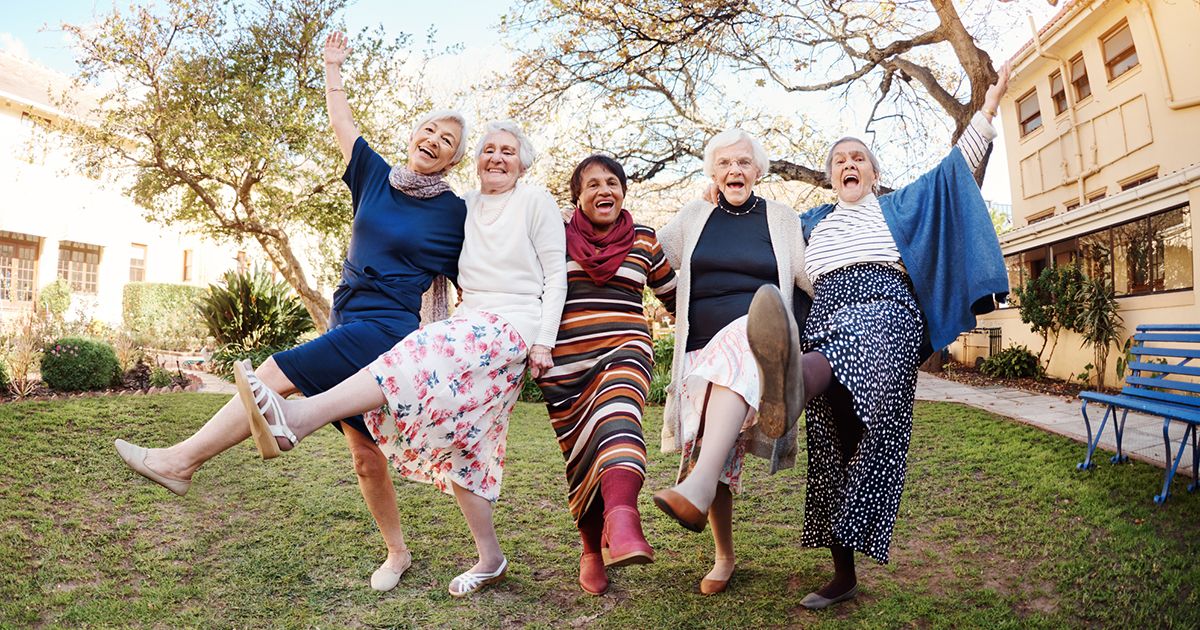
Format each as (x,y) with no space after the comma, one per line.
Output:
(449,114)
(870,156)
(528,153)
(728,138)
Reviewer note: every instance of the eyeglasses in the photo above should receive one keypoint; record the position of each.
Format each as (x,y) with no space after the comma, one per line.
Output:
(725,164)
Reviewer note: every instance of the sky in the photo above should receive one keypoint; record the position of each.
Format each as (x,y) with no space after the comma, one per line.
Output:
(30,31)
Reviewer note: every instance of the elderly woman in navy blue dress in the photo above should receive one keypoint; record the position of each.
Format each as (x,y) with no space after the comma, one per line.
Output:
(894,278)
(407,230)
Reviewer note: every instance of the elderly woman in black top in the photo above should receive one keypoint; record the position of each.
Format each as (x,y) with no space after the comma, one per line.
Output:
(723,253)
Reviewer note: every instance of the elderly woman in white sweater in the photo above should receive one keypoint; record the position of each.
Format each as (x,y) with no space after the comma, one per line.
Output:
(438,402)
(723,253)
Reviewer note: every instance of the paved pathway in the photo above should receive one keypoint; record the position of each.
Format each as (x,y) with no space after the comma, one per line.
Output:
(1143,439)
(1057,414)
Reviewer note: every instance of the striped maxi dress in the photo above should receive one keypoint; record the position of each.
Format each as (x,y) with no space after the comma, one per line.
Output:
(602,362)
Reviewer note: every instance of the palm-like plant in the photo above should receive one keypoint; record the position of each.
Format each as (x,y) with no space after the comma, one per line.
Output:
(253,311)
(1098,321)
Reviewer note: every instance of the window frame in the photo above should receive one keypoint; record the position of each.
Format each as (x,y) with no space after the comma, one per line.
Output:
(1121,56)
(1080,82)
(1059,96)
(27,241)
(90,282)
(1026,120)
(142,268)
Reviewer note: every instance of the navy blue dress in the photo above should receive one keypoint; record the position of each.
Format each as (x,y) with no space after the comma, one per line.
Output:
(398,245)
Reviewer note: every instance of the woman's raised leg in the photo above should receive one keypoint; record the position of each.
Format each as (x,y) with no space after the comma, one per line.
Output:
(727,411)
(225,429)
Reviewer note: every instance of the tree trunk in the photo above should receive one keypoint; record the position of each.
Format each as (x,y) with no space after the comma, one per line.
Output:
(280,252)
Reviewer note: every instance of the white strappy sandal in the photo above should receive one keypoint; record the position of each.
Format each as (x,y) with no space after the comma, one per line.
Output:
(470,582)
(259,399)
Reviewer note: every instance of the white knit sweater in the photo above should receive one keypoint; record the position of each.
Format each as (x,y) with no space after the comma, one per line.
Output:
(516,267)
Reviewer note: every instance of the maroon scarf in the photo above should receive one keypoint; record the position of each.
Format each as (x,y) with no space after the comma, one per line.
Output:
(600,255)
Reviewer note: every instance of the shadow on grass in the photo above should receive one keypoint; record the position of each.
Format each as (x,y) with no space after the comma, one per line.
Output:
(996,531)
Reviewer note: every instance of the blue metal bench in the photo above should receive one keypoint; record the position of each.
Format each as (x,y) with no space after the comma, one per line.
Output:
(1161,383)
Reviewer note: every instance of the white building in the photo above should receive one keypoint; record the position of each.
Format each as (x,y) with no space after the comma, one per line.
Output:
(55,223)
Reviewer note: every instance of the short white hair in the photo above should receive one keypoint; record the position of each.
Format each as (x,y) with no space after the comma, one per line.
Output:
(870,156)
(528,153)
(728,138)
(449,114)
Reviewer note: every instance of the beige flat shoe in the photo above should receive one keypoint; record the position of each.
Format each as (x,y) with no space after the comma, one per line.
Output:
(135,458)
(385,579)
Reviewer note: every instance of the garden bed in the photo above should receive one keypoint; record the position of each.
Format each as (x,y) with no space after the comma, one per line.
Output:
(135,381)
(969,375)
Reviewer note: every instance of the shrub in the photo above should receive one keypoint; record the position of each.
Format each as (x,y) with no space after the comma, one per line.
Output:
(77,364)
(664,355)
(221,363)
(161,315)
(161,377)
(24,353)
(253,311)
(1098,322)
(530,392)
(1012,362)
(4,382)
(55,298)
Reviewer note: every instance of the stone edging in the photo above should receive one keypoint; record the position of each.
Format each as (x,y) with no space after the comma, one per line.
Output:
(195,386)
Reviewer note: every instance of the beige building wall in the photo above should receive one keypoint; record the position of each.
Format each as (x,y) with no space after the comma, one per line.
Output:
(1110,163)
(45,204)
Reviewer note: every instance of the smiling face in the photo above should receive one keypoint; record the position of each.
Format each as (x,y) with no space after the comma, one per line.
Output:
(600,196)
(852,174)
(734,171)
(431,148)
(499,163)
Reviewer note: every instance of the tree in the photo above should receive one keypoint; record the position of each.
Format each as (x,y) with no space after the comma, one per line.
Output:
(662,76)
(1048,304)
(1098,321)
(218,112)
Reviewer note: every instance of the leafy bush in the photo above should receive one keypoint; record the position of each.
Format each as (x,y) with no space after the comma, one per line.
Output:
(161,315)
(1048,304)
(4,382)
(530,392)
(78,364)
(221,363)
(1012,362)
(1098,321)
(161,377)
(660,377)
(55,298)
(252,311)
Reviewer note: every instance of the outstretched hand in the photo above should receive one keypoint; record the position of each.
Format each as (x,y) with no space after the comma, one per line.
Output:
(337,48)
(540,360)
(991,101)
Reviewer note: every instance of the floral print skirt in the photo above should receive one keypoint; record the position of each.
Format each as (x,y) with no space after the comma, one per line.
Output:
(450,387)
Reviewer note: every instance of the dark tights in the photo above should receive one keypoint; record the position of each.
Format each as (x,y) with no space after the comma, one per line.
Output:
(818,380)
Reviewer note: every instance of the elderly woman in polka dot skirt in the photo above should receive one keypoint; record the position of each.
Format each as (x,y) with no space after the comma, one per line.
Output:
(894,278)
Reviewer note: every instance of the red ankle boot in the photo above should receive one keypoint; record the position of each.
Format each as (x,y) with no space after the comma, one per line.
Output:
(623,543)
(592,577)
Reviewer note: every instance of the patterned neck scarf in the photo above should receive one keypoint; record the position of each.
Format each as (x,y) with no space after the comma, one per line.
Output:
(418,185)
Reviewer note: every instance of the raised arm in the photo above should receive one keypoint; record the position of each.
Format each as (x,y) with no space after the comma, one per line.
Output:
(340,116)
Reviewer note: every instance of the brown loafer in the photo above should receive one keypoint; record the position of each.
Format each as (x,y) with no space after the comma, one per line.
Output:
(677,507)
(774,339)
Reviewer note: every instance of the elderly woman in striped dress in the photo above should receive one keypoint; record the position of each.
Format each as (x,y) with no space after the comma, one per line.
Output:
(894,278)
(602,360)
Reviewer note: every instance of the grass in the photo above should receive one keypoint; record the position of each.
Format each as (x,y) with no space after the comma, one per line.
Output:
(996,531)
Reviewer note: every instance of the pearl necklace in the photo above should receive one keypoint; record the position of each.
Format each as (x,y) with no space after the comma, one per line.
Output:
(739,214)
(495,215)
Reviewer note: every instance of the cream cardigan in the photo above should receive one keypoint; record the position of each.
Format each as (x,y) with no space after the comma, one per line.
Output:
(678,239)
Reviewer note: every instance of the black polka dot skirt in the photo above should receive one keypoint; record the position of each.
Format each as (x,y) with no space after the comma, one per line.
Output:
(866,321)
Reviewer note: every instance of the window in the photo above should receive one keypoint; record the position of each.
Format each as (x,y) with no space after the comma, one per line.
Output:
(1139,181)
(137,263)
(1096,196)
(18,266)
(1058,93)
(1119,54)
(189,259)
(1149,255)
(79,264)
(1071,206)
(1030,113)
(1079,78)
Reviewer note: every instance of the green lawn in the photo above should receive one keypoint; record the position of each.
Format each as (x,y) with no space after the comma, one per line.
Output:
(996,531)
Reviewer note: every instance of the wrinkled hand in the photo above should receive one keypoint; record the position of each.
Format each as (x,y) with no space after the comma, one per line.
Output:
(710,194)
(992,99)
(337,48)
(540,360)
